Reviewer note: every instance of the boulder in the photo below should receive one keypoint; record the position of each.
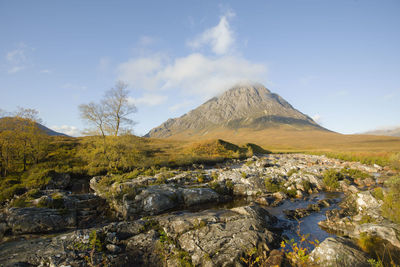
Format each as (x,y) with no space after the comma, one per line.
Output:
(339,252)
(220,237)
(197,196)
(39,220)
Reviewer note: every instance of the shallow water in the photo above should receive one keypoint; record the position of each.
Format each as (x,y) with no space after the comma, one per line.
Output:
(309,224)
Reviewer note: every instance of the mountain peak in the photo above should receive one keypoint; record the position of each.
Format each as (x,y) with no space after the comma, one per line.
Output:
(242,106)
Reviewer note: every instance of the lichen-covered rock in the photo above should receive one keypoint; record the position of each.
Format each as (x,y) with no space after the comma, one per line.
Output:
(218,238)
(39,220)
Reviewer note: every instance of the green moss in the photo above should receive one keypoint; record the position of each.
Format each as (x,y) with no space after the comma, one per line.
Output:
(366,219)
(378,193)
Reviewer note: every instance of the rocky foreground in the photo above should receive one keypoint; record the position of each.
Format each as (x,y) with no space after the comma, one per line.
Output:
(182,217)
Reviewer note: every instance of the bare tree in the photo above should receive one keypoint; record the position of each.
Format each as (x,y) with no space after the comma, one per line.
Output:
(94,114)
(111,115)
(29,114)
(118,108)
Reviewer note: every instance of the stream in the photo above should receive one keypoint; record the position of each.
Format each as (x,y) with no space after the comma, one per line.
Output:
(308,225)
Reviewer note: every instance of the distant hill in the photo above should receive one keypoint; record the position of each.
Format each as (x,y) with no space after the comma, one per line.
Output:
(386,132)
(251,107)
(42,127)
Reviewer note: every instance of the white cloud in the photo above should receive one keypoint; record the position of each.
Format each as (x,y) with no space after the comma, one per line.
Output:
(17,59)
(45,71)
(141,72)
(67,129)
(389,96)
(317,118)
(15,69)
(193,74)
(220,38)
(149,100)
(146,40)
(181,105)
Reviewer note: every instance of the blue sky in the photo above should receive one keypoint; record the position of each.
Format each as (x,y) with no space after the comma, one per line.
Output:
(337,61)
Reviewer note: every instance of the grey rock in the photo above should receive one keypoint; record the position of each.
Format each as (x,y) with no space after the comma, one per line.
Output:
(197,196)
(39,220)
(339,252)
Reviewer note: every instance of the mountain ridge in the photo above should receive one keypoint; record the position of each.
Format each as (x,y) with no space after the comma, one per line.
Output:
(394,131)
(243,106)
(46,130)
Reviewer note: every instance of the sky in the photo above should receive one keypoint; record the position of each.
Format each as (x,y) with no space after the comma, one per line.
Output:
(336,61)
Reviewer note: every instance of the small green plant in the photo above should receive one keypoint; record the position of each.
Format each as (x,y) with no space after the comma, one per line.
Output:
(331,179)
(375,263)
(229,184)
(214,175)
(92,247)
(366,219)
(292,193)
(253,257)
(184,259)
(306,185)
(250,162)
(217,187)
(244,175)
(292,171)
(200,178)
(272,185)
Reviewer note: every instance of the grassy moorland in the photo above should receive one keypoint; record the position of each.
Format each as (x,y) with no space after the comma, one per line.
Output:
(369,149)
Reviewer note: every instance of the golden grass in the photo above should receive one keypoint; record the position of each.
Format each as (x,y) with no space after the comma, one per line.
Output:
(286,139)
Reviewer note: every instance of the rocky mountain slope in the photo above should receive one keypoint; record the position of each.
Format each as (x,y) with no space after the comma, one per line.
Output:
(243,106)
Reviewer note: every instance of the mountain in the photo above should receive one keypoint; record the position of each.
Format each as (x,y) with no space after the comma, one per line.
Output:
(48,131)
(251,107)
(386,132)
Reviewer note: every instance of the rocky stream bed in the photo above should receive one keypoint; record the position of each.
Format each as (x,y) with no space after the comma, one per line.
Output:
(202,216)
